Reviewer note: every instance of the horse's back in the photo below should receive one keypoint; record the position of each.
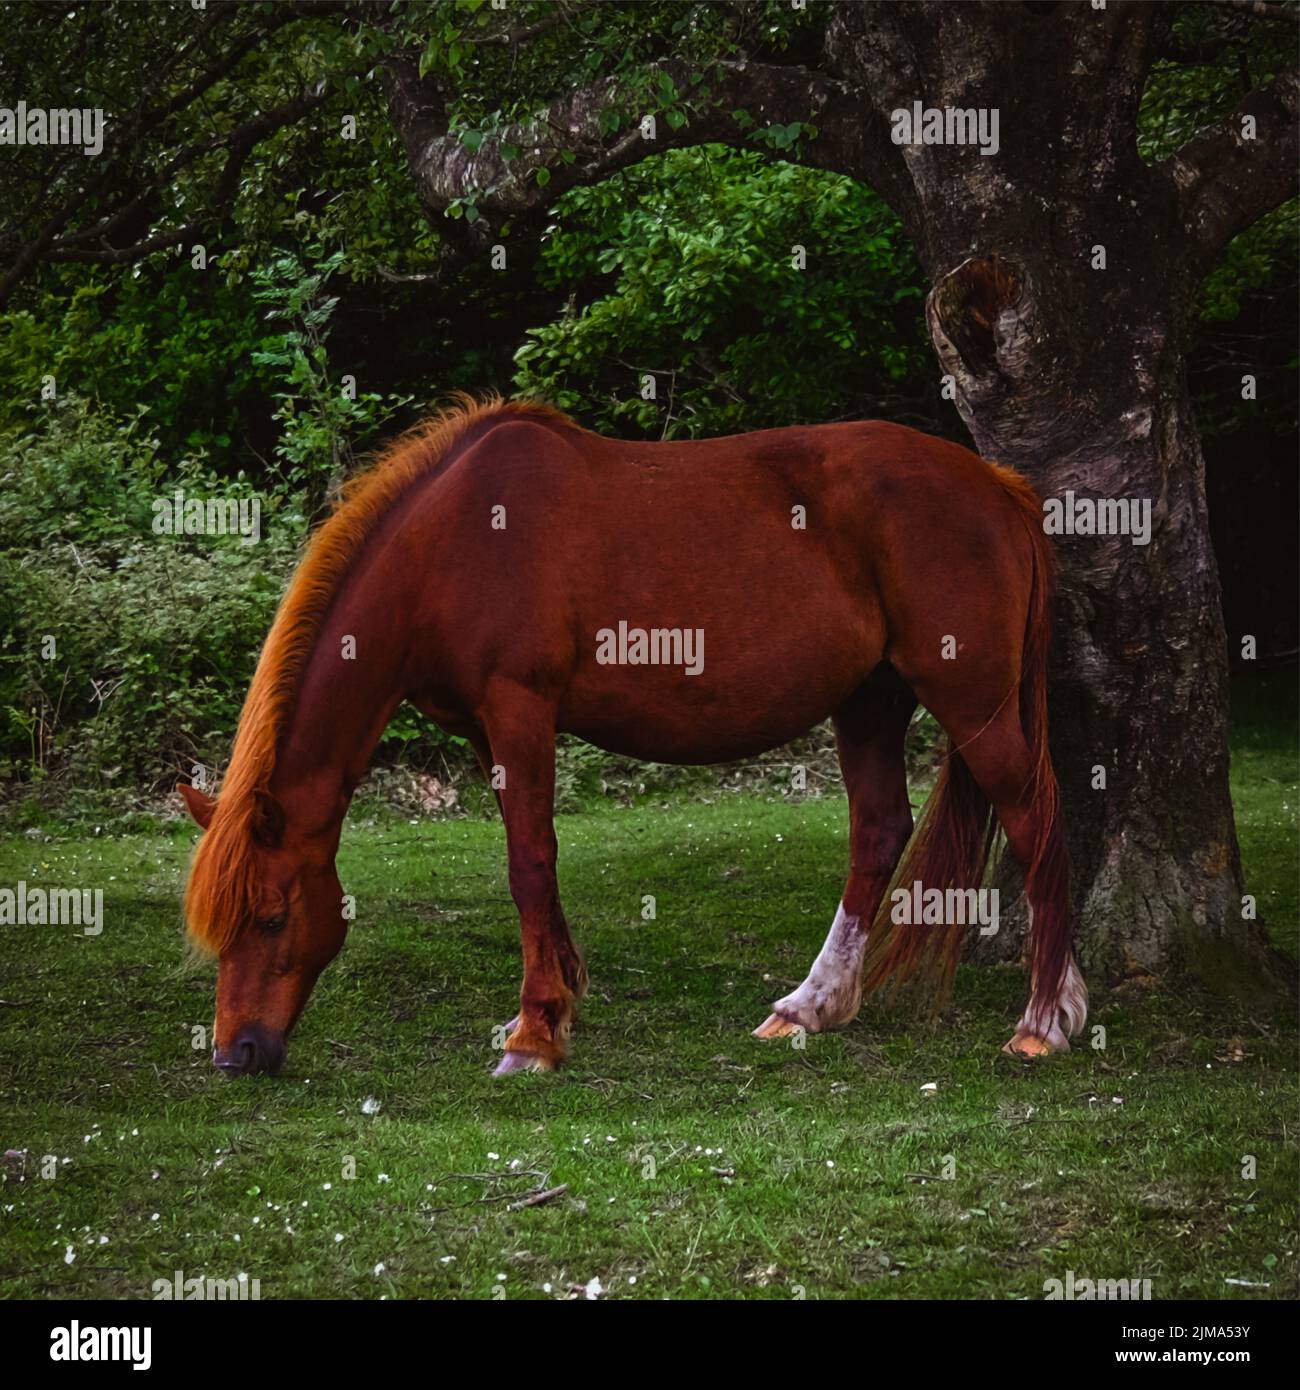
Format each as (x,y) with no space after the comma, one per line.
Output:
(696,600)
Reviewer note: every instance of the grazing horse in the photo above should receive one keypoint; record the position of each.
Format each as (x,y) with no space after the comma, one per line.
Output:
(513,576)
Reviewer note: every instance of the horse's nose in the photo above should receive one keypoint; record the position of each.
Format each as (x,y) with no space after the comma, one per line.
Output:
(255,1049)
(237,1060)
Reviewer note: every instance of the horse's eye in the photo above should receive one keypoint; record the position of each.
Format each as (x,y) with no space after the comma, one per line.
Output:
(274,924)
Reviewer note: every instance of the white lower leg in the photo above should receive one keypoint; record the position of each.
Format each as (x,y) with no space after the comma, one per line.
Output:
(1069,1016)
(832,994)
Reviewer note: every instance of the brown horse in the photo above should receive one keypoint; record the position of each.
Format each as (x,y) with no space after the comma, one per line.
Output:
(513,576)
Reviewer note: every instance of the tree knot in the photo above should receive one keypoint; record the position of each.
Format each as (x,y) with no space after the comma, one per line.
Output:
(964,308)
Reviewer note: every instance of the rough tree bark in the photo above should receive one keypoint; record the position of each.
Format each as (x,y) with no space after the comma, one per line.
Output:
(1071,374)
(1074,375)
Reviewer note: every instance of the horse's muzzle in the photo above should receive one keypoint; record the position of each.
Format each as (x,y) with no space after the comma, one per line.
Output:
(255,1049)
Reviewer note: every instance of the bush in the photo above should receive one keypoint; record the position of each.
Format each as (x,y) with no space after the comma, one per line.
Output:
(127,652)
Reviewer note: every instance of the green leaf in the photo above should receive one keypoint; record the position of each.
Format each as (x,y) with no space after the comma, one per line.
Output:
(429,56)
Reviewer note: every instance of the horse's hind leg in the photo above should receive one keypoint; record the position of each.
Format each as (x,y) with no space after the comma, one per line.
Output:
(521,734)
(869,731)
(999,758)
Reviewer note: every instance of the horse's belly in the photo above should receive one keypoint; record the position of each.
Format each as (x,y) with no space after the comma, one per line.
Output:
(668,699)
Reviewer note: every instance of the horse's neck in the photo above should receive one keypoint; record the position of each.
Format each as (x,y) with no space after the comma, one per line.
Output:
(349,688)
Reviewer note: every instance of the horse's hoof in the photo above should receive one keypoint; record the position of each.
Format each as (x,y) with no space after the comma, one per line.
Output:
(522,1061)
(1027,1045)
(775,1026)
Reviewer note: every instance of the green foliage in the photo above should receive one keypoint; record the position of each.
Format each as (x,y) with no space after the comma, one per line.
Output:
(180,339)
(319,418)
(681,267)
(1253,261)
(685,267)
(126,652)
(1248,327)
(1210,61)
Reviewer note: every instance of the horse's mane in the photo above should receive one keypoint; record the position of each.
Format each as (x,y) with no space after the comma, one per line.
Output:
(221,893)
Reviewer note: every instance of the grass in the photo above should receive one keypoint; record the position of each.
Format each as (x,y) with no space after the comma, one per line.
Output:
(700,1163)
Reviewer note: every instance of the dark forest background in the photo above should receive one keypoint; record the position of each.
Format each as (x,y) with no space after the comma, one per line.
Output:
(121,382)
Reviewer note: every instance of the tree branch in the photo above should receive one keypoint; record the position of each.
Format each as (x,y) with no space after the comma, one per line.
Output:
(583,127)
(1257,9)
(1226,182)
(510,38)
(120,233)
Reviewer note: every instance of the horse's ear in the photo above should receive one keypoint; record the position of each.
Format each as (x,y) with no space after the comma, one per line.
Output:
(199,806)
(268,820)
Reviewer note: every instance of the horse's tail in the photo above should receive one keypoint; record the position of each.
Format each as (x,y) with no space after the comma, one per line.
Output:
(951,845)
(948,849)
(1056,987)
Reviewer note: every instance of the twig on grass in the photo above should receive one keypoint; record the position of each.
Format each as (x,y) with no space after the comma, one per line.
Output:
(536,1199)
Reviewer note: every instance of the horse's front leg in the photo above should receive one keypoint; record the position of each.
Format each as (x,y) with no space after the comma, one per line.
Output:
(869,731)
(521,735)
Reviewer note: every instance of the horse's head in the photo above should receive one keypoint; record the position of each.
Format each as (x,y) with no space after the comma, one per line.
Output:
(268,902)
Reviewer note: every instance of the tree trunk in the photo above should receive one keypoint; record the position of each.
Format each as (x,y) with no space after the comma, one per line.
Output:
(1139,707)
(1061,310)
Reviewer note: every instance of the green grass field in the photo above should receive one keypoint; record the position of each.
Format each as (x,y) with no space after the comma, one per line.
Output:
(699,1162)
